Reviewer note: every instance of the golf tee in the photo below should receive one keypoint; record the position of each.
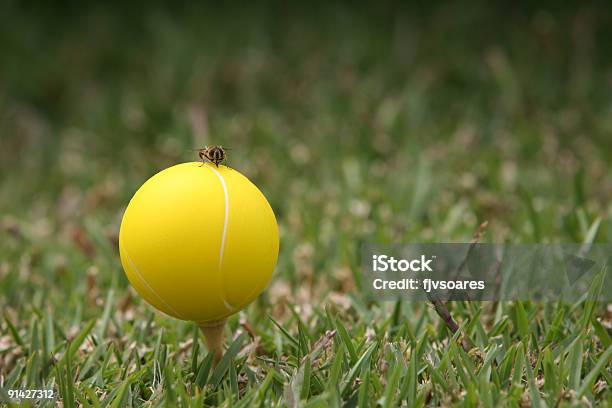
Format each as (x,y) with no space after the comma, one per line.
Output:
(213,334)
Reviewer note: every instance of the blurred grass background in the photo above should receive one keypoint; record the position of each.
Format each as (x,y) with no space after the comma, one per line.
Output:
(371,122)
(401,123)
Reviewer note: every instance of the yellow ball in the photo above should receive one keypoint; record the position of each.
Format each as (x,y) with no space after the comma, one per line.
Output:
(199,242)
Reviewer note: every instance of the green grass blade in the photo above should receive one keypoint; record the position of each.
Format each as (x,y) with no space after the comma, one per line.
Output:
(79,339)
(334,374)
(227,359)
(346,339)
(204,370)
(588,381)
(575,363)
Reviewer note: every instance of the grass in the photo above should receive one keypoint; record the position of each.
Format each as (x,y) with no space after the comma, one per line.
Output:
(360,124)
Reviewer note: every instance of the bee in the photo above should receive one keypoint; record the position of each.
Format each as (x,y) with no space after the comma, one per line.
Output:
(214,154)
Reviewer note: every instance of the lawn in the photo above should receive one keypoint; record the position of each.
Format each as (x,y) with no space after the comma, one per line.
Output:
(360,124)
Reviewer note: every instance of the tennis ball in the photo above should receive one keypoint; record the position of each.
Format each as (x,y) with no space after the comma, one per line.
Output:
(199,242)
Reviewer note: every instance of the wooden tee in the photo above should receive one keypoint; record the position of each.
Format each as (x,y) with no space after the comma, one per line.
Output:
(213,334)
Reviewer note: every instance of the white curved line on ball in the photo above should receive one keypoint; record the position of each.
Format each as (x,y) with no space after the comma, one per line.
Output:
(147,283)
(222,180)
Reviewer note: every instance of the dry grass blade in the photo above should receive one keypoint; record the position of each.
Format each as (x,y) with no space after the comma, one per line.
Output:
(440,306)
